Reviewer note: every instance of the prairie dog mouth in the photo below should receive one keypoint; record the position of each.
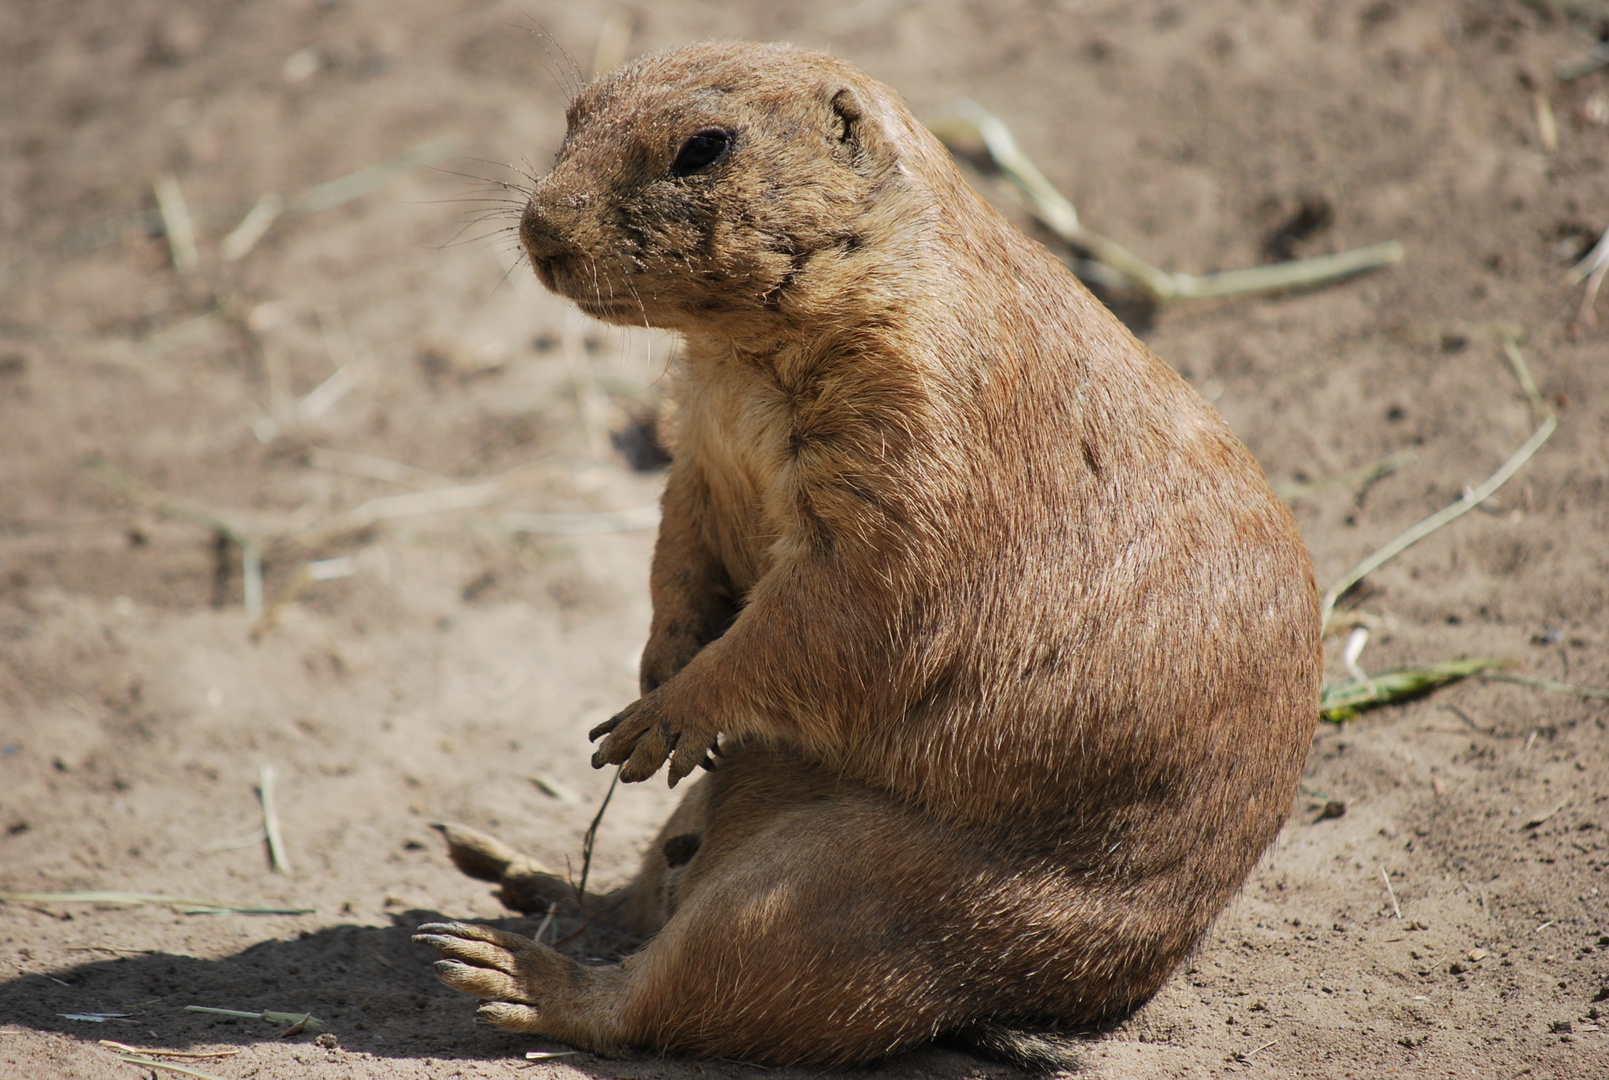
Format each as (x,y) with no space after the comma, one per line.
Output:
(608,308)
(560,276)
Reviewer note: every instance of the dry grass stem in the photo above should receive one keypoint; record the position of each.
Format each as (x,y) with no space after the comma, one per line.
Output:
(1396,907)
(147,1063)
(170,506)
(1344,700)
(150,1050)
(320,197)
(114,898)
(587,842)
(307,1020)
(1054,210)
(414,504)
(323,397)
(558,790)
(365,516)
(1293,274)
(1547,125)
(635,519)
(342,566)
(257,837)
(1356,642)
(177,224)
(276,842)
(1592,269)
(252,228)
(1299,491)
(310,574)
(1438,332)
(1246,1055)
(337,342)
(1547,684)
(375,468)
(1470,499)
(548,1055)
(1522,373)
(361,518)
(344,189)
(1585,64)
(1544,817)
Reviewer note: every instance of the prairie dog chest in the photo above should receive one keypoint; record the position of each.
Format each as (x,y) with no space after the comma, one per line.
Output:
(736,428)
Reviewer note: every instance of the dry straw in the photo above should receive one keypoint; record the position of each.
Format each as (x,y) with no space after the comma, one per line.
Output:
(299,1021)
(271,830)
(117,898)
(1057,213)
(150,1051)
(182,1070)
(1470,499)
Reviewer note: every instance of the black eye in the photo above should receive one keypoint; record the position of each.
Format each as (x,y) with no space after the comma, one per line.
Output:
(701,151)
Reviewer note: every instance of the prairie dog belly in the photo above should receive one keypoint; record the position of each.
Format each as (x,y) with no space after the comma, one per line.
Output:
(733,421)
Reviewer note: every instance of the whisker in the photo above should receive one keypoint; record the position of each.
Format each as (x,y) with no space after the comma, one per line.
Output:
(456,242)
(635,295)
(527,171)
(467,200)
(544,38)
(504,184)
(507,273)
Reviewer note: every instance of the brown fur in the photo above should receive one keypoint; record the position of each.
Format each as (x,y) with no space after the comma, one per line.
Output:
(1012,655)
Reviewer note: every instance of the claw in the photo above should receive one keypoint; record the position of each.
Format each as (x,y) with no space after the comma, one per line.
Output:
(694,753)
(642,764)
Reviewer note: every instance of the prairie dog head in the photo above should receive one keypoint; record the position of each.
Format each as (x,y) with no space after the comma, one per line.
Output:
(720,188)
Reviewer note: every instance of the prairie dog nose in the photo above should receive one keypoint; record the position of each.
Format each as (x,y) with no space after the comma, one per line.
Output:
(538,233)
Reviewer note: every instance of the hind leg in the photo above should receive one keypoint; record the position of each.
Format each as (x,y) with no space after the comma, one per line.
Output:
(640,907)
(823,922)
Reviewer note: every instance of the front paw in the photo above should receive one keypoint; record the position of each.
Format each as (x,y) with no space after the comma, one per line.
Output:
(645,733)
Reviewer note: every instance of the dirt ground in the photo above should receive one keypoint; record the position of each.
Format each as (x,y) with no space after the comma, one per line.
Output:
(440,660)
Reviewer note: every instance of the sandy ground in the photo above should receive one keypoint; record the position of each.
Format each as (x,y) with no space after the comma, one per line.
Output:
(455,657)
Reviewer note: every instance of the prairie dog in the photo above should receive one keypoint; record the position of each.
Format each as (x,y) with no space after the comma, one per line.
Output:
(1010,656)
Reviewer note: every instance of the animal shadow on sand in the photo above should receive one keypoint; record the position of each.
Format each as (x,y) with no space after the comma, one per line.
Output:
(374,989)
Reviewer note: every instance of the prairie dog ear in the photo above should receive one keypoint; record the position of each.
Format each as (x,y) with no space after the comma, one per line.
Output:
(861,139)
(846,105)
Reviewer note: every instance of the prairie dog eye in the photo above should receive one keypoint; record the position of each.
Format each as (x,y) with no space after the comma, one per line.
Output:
(701,151)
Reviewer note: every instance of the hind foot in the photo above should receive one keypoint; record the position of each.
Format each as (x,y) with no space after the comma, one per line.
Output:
(527,987)
(511,972)
(526,885)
